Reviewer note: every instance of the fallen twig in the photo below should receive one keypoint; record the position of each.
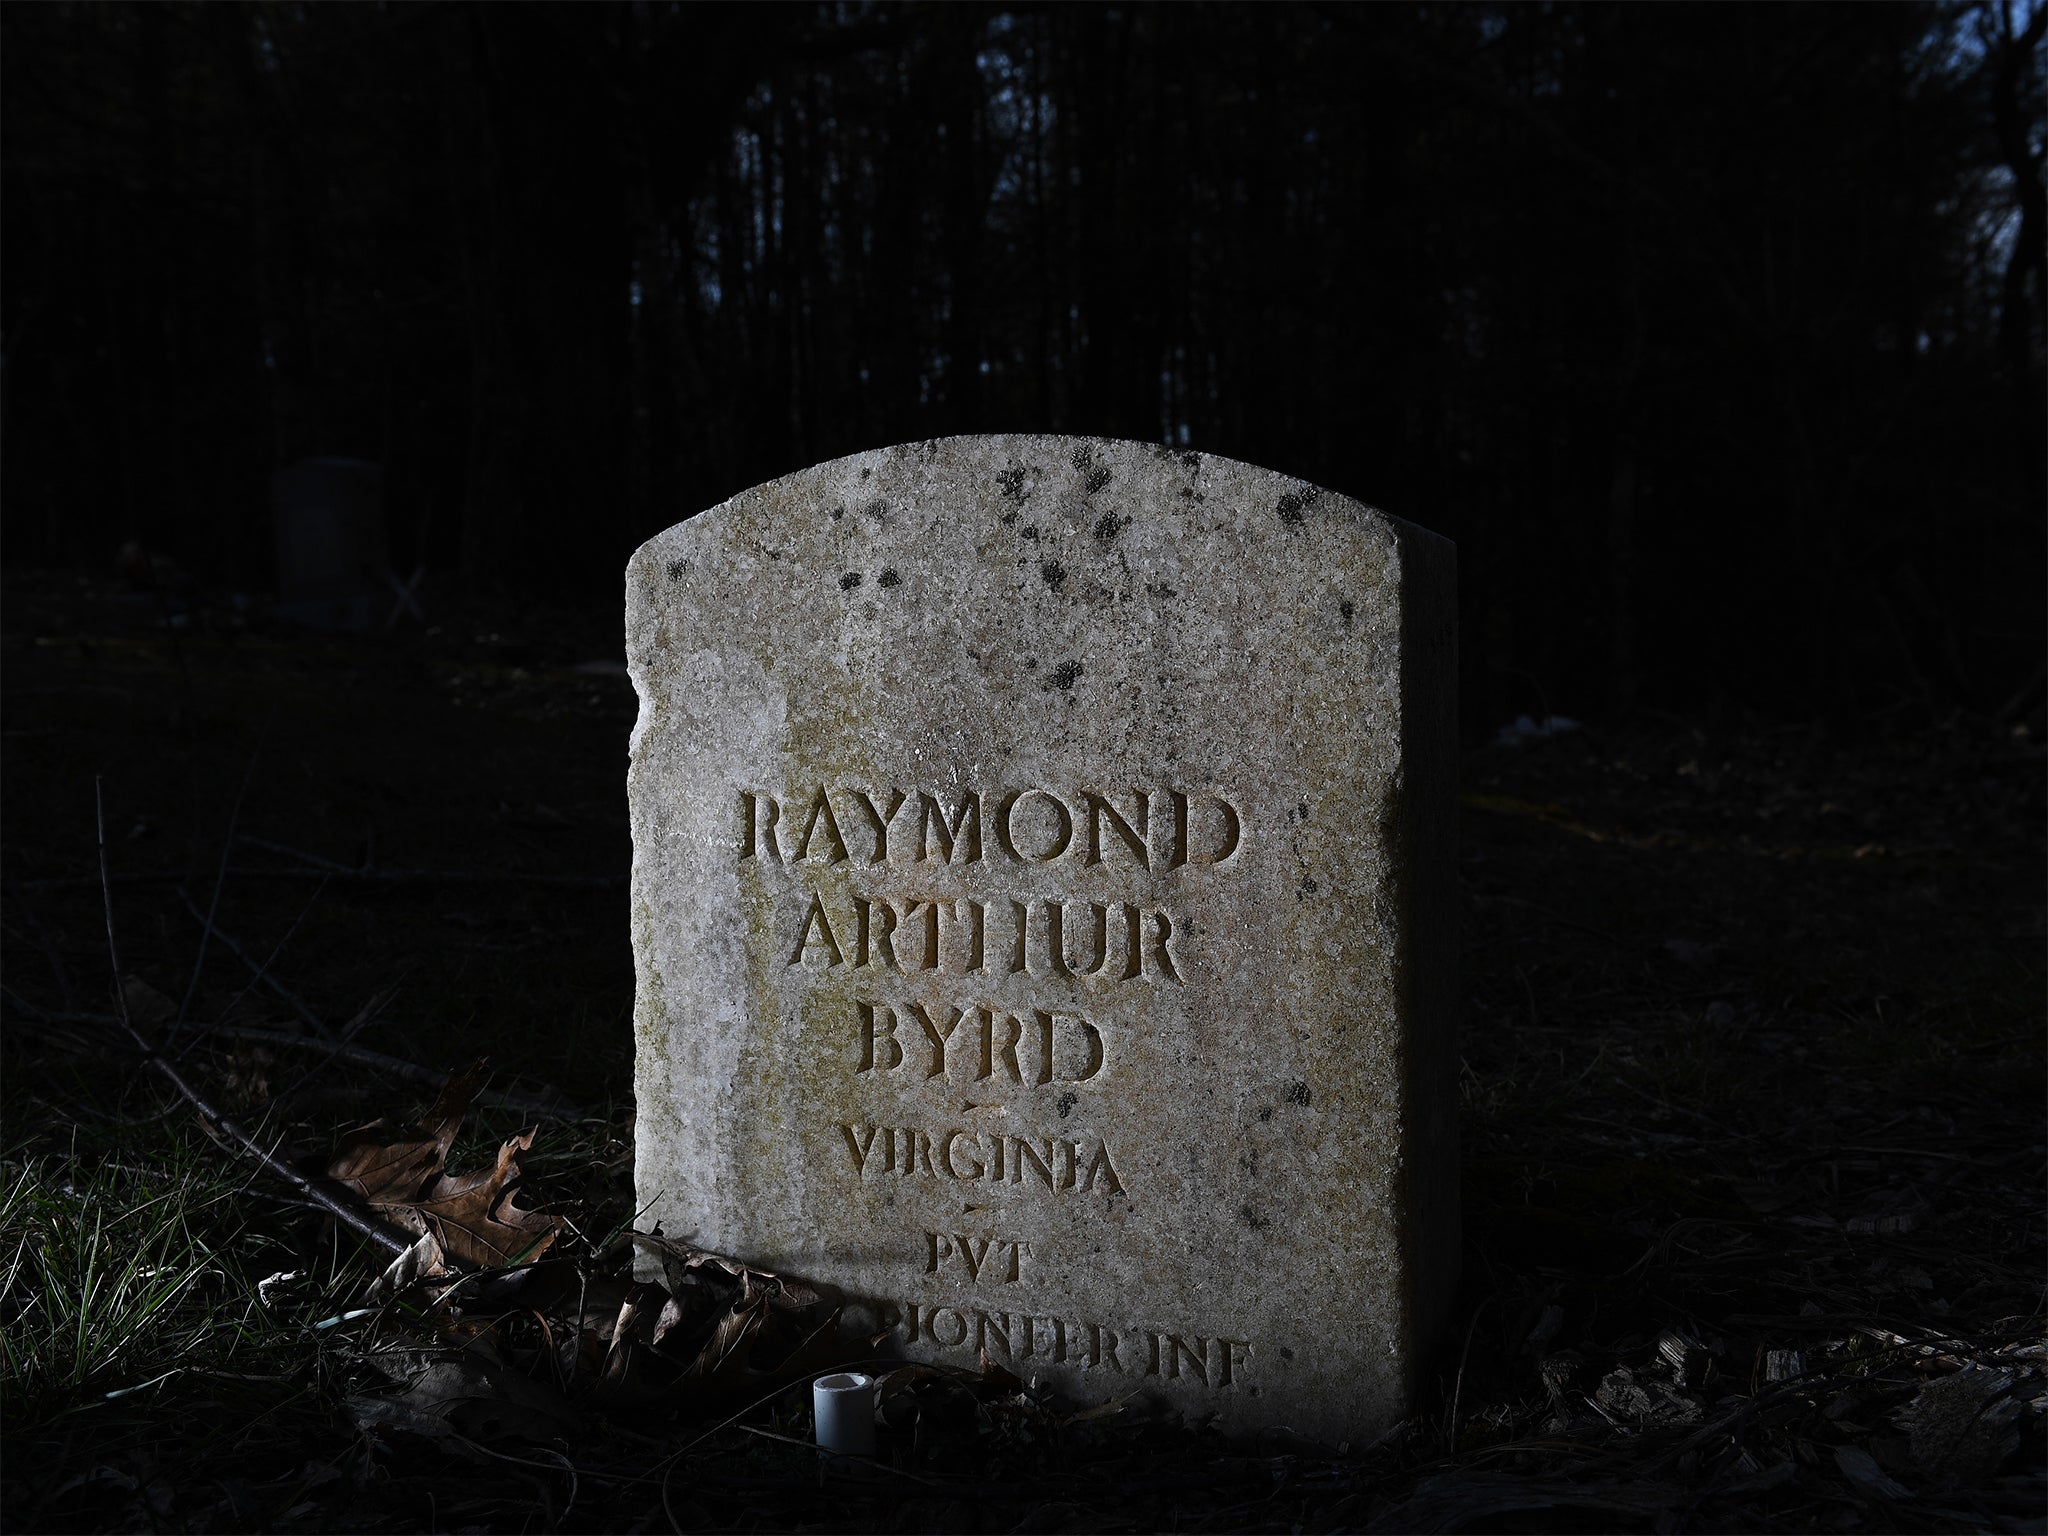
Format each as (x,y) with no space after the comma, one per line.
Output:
(261,972)
(339,1209)
(556,1109)
(220,881)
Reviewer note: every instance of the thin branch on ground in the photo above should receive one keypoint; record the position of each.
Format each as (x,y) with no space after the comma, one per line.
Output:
(220,881)
(259,971)
(355,1220)
(554,1109)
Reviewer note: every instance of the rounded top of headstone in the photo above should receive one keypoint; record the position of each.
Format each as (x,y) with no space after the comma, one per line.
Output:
(1102,482)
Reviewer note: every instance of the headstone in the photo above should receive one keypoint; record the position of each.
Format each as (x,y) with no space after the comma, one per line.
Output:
(1043,903)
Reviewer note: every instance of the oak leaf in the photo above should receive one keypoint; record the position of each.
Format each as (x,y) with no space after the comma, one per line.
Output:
(474,1217)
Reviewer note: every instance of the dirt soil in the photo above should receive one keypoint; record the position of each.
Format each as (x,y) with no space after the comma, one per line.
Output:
(1753,1109)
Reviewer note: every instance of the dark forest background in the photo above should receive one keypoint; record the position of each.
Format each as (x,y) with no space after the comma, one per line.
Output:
(1713,334)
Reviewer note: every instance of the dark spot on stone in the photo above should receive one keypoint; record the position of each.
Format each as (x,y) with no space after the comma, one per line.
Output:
(1063,677)
(1054,573)
(1067,1101)
(1253,1219)
(1309,887)
(1160,589)
(865,473)
(877,510)
(677,569)
(1265,1114)
(1344,612)
(849,581)
(1294,503)
(1108,526)
(1248,1160)
(1030,663)
(1286,1353)
(1097,479)
(1028,531)
(1083,458)
(1012,482)
(838,513)
(889,579)
(1298,1094)
(1009,518)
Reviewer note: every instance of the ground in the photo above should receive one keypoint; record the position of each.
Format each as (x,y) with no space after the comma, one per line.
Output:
(1753,1130)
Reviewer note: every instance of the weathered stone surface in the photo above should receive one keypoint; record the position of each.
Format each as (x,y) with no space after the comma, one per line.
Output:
(1189,723)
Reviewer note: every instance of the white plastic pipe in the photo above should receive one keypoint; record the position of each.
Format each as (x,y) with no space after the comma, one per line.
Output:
(844,1407)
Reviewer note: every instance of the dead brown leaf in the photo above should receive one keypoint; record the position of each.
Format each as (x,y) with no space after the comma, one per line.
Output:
(475,1217)
(387,1169)
(478,1218)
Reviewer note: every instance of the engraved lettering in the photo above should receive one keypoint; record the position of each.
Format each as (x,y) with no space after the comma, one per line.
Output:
(1027,1153)
(931,932)
(873,1032)
(859,1146)
(1178,1352)
(867,930)
(1064,1046)
(937,1036)
(1055,937)
(1229,1363)
(964,828)
(931,1324)
(970,1255)
(1063,822)
(974,932)
(1102,1166)
(761,813)
(821,811)
(1162,932)
(991,1053)
(879,820)
(1231,832)
(1094,1036)
(1100,809)
(1028,1325)
(815,920)
(946,1156)
(1022,914)
(1032,826)
(985,1327)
